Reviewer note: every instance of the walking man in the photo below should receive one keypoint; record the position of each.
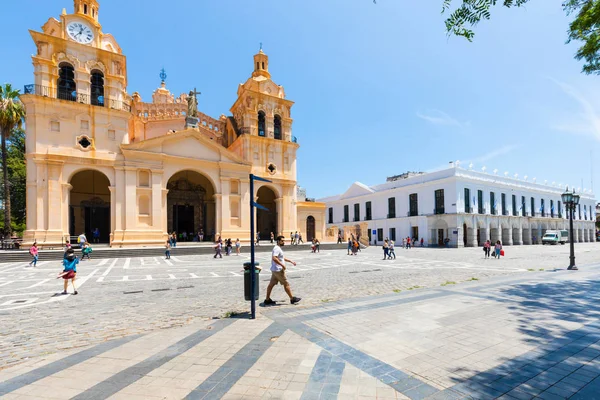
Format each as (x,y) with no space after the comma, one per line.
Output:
(278,273)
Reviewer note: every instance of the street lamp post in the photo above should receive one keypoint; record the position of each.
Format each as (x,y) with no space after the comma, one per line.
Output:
(571,200)
(253,204)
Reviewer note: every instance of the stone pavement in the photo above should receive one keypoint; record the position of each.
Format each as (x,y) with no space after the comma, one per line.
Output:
(512,336)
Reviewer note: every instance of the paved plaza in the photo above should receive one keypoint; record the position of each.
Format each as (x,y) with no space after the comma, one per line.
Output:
(434,323)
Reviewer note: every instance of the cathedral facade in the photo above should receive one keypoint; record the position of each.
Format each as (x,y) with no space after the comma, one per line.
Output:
(101,159)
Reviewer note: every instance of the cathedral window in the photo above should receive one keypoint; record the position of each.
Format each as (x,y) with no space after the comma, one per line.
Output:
(261,123)
(67,89)
(277,127)
(97,88)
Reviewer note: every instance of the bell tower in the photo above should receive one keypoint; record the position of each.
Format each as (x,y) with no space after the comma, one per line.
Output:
(261,64)
(88,8)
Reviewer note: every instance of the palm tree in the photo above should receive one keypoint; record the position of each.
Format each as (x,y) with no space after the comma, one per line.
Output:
(12,112)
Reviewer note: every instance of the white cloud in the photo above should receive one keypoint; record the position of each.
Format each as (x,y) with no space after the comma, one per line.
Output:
(588,121)
(438,117)
(478,161)
(491,155)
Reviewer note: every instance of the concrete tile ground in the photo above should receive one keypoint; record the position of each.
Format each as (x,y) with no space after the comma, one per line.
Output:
(517,334)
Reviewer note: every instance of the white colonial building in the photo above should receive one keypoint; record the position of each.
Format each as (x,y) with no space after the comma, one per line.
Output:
(459,207)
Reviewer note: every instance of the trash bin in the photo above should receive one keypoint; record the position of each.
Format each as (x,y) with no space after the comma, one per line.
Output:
(248,281)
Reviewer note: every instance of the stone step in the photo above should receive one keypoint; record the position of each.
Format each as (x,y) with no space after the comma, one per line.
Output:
(8,256)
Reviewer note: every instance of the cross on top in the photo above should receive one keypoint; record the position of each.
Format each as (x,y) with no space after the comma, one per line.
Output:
(260,46)
(195,93)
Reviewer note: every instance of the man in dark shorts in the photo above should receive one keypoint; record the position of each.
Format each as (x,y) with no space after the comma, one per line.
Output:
(278,273)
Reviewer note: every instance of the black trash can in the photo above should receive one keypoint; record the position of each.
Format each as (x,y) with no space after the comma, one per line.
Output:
(248,280)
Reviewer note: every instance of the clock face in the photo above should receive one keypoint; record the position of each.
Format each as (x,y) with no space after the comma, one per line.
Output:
(80,32)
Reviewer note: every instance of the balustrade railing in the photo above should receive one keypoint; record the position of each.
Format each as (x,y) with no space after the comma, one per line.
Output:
(74,96)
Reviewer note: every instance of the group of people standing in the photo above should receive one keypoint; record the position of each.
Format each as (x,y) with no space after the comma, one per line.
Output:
(228,244)
(388,249)
(353,246)
(186,237)
(295,238)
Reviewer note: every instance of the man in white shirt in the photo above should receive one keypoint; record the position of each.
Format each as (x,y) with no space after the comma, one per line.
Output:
(278,273)
(81,239)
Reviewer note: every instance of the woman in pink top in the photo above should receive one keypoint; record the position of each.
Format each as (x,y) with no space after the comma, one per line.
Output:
(486,249)
(33,250)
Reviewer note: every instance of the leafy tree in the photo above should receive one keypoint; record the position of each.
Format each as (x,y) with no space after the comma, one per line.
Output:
(15,163)
(12,112)
(585,26)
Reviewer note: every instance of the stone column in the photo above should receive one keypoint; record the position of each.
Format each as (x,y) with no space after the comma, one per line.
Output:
(495,235)
(507,239)
(218,213)
(484,235)
(585,236)
(225,216)
(113,212)
(575,235)
(527,236)
(517,237)
(54,196)
(130,198)
(41,198)
(471,237)
(458,239)
(157,200)
(164,213)
(119,204)
(245,205)
(279,208)
(66,194)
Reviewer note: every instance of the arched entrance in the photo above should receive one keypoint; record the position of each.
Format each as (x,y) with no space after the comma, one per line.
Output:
(266,221)
(310,228)
(191,206)
(89,205)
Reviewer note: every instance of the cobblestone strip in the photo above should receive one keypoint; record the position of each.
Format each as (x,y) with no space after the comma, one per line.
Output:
(39,373)
(325,378)
(130,375)
(220,382)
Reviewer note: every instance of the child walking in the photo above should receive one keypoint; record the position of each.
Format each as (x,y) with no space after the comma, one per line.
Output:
(86,251)
(168,250)
(33,250)
(69,270)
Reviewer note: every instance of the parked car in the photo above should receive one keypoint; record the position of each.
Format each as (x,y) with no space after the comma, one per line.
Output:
(556,237)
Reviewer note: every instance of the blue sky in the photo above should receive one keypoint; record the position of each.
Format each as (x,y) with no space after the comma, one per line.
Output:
(379,89)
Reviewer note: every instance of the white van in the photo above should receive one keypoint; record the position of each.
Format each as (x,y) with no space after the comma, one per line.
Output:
(555,237)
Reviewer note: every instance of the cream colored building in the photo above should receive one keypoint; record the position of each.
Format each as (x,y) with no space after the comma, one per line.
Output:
(98,157)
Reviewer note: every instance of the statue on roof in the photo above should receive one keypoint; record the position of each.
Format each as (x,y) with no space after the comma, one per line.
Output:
(192,101)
